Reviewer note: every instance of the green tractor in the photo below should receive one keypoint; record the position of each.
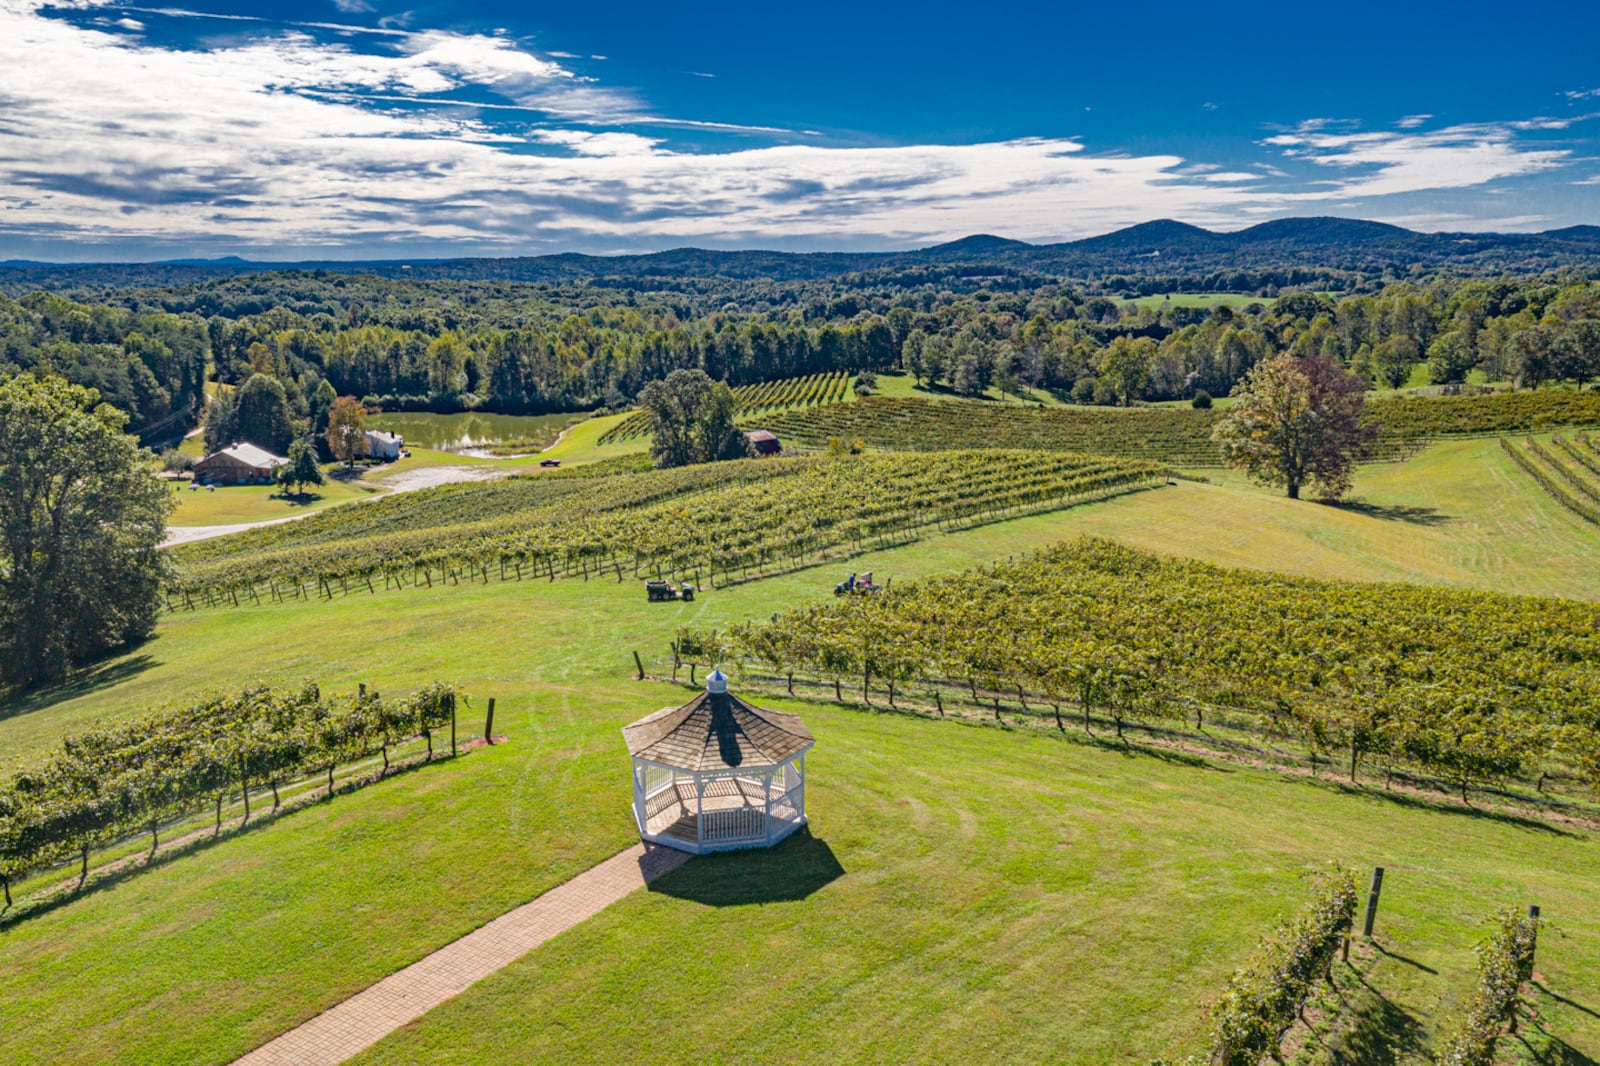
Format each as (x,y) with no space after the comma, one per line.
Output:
(662,591)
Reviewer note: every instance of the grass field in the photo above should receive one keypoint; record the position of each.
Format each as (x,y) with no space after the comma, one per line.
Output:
(1458,514)
(228,504)
(580,443)
(1207,300)
(968,892)
(1020,894)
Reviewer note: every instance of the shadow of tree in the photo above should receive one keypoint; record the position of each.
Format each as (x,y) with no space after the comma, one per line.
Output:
(786,872)
(1416,516)
(92,680)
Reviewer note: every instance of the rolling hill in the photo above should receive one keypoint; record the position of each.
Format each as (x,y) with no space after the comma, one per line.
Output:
(1163,247)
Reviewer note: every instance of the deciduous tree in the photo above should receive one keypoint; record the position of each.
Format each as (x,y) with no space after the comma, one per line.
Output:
(81,518)
(301,469)
(1297,421)
(264,417)
(347,430)
(691,419)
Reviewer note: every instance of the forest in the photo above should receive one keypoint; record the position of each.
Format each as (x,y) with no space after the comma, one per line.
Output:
(515,347)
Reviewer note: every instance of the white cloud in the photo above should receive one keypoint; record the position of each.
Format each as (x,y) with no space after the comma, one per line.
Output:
(1391,163)
(1411,122)
(130,24)
(352,7)
(284,140)
(588,143)
(1447,222)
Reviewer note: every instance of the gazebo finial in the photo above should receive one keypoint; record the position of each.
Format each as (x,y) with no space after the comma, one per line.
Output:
(717,683)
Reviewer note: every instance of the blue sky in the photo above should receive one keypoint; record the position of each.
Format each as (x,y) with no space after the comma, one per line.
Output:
(361,128)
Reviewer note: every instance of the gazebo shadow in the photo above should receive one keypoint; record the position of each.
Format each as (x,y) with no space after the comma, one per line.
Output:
(788,871)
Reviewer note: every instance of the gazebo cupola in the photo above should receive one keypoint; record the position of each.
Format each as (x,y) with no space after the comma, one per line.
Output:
(718,773)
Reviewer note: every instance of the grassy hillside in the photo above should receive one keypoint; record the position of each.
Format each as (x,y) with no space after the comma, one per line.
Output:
(1460,513)
(1000,895)
(1021,895)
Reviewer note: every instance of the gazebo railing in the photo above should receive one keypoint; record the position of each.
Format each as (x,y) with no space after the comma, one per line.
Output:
(736,823)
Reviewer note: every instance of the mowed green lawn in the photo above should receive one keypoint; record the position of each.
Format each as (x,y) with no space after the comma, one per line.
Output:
(969,891)
(230,504)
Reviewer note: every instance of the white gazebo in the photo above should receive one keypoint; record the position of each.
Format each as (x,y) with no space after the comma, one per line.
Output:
(717,773)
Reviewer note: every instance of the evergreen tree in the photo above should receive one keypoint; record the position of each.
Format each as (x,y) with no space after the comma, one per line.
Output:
(301,469)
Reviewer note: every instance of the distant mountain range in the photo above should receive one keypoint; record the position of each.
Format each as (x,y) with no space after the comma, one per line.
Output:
(1163,247)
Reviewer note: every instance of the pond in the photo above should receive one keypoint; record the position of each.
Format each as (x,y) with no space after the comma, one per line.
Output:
(473,431)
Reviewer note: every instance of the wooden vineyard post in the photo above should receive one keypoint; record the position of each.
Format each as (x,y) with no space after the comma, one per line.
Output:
(1372,902)
(1533,916)
(488,725)
(640,664)
(453,751)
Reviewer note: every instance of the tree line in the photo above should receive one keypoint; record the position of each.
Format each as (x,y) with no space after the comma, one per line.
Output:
(522,348)
(149,364)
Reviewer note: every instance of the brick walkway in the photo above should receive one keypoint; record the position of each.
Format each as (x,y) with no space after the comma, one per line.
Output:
(368,1016)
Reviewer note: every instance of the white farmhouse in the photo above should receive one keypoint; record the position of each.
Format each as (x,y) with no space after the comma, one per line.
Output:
(381,444)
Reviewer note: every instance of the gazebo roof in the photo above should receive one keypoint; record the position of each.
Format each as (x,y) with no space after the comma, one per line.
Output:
(717,731)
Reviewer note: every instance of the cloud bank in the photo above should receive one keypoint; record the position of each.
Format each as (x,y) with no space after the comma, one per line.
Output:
(317,137)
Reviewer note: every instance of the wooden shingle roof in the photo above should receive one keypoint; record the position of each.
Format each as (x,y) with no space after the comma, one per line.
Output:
(717,731)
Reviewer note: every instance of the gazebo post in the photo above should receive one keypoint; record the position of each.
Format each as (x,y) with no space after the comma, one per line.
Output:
(638,797)
(699,810)
(767,823)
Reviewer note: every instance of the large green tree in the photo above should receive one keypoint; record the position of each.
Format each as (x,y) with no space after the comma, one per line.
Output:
(258,411)
(691,419)
(82,516)
(264,415)
(301,469)
(1295,422)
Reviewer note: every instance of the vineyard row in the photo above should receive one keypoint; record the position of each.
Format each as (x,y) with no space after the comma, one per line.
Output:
(760,398)
(780,520)
(1177,436)
(1462,686)
(116,781)
(1569,487)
